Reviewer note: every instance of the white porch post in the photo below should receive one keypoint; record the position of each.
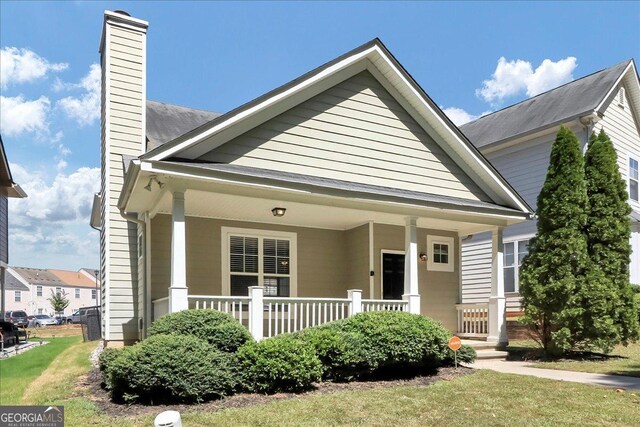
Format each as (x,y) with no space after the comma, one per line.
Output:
(411,292)
(355,301)
(497,301)
(256,312)
(178,293)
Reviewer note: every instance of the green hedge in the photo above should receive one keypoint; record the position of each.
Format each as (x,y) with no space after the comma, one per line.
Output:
(397,343)
(466,354)
(105,359)
(343,354)
(282,363)
(219,329)
(170,369)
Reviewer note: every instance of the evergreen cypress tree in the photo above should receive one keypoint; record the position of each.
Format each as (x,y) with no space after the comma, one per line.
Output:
(558,260)
(608,230)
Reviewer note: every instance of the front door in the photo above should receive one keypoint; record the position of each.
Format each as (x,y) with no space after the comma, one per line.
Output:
(392,276)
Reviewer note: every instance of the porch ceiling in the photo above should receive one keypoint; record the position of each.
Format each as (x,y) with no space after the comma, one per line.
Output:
(244,198)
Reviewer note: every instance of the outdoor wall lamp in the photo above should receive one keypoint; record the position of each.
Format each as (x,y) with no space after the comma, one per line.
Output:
(153,178)
(422,256)
(278,211)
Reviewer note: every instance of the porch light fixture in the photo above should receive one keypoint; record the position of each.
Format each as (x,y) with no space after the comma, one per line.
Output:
(154,178)
(423,256)
(278,211)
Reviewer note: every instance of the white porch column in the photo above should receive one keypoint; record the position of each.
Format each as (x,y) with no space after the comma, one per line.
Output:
(497,301)
(411,291)
(355,301)
(178,293)
(256,312)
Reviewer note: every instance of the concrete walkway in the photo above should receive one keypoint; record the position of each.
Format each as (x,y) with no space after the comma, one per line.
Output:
(525,368)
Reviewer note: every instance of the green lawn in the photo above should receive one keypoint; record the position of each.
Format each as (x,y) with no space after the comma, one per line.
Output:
(17,372)
(622,361)
(482,399)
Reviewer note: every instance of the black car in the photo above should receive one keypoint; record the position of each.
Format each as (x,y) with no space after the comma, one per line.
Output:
(17,317)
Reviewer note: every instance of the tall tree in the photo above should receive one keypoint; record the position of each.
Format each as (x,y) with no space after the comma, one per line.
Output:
(558,258)
(608,230)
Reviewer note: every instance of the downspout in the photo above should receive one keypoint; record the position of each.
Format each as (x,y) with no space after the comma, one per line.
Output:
(143,224)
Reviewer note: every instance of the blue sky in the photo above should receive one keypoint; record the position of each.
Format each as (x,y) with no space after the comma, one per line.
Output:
(216,56)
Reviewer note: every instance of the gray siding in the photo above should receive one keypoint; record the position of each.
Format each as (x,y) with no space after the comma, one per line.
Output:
(122,115)
(355,131)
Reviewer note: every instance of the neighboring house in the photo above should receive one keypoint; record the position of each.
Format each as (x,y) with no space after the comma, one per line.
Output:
(518,139)
(348,180)
(17,294)
(41,284)
(8,188)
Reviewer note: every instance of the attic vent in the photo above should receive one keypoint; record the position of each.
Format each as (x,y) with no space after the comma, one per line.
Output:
(621,97)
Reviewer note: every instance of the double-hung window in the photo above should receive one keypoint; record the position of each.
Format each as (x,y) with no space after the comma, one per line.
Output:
(633,179)
(18,296)
(77,293)
(258,258)
(94,294)
(39,291)
(514,253)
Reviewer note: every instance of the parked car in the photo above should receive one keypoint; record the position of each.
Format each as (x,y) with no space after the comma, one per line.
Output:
(78,316)
(11,334)
(45,320)
(17,317)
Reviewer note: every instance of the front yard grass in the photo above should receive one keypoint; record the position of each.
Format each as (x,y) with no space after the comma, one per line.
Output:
(483,399)
(17,372)
(622,361)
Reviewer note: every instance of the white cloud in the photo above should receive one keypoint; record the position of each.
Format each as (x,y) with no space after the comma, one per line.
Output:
(514,77)
(23,65)
(18,115)
(459,116)
(85,109)
(67,199)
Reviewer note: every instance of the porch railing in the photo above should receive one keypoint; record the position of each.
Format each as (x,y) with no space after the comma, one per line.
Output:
(473,320)
(279,315)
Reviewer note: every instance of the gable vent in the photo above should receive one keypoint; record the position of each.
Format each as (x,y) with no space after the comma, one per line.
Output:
(621,97)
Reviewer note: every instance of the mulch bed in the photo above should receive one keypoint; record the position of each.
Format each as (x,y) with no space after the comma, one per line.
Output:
(89,387)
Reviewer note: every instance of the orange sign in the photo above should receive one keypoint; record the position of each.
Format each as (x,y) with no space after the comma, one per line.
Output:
(455,343)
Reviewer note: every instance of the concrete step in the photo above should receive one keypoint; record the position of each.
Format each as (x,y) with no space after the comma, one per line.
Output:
(491,354)
(479,345)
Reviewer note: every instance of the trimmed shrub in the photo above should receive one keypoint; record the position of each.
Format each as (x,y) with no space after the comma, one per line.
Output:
(172,368)
(282,363)
(342,354)
(397,342)
(105,359)
(466,354)
(219,329)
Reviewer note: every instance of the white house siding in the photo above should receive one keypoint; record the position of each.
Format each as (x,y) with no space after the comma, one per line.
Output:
(621,126)
(355,131)
(42,302)
(524,166)
(123,65)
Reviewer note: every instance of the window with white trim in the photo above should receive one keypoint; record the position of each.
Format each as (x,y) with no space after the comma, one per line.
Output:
(18,296)
(77,293)
(633,179)
(259,260)
(39,291)
(514,253)
(94,294)
(41,311)
(58,291)
(440,253)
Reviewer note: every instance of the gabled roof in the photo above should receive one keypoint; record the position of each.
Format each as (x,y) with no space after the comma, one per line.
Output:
(13,283)
(74,278)
(7,186)
(38,276)
(374,57)
(52,277)
(560,105)
(166,122)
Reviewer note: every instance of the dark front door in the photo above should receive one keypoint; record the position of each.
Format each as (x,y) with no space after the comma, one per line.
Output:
(392,276)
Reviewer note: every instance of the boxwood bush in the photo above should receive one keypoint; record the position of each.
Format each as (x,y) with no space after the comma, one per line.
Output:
(172,368)
(466,354)
(105,359)
(398,343)
(343,354)
(219,329)
(282,363)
